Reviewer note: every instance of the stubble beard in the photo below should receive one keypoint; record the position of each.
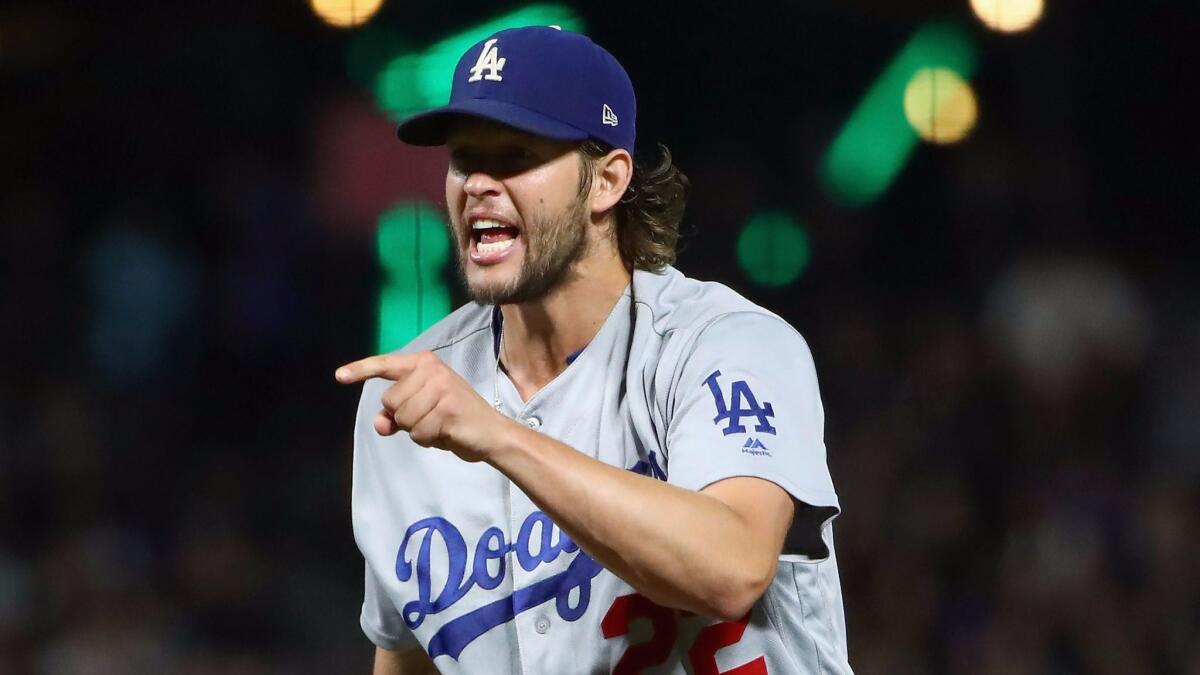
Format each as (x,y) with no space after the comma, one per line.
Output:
(552,247)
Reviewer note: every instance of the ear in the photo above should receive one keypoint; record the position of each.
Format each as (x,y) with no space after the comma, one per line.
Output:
(613,173)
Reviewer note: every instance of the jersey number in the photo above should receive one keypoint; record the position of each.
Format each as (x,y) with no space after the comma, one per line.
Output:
(656,650)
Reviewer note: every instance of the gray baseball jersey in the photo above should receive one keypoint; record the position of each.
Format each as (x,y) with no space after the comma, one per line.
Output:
(695,385)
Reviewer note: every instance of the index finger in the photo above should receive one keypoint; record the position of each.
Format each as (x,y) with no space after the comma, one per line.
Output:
(388,366)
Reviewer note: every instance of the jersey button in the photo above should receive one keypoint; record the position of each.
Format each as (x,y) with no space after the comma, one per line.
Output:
(541,625)
(534,423)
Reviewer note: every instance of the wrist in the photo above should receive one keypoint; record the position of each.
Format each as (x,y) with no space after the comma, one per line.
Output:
(503,440)
(508,439)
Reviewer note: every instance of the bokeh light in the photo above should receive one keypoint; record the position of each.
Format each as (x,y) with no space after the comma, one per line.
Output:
(361,171)
(142,292)
(875,143)
(413,248)
(345,13)
(940,105)
(370,49)
(1008,16)
(773,249)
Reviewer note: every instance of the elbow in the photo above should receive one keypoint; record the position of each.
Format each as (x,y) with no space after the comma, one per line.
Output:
(729,612)
(734,596)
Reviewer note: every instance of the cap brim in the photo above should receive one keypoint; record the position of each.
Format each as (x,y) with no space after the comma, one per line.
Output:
(431,126)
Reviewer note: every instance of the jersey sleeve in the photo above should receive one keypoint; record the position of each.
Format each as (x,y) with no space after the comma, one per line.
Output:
(379,620)
(746,403)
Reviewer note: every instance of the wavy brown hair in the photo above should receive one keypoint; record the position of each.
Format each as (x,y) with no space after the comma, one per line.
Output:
(648,215)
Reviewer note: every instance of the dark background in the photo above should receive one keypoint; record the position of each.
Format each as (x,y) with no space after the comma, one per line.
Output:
(1008,341)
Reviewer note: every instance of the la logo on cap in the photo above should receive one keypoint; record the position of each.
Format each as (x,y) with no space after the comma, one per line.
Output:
(489,60)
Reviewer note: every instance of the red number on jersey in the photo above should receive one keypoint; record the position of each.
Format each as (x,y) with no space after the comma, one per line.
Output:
(652,652)
(703,654)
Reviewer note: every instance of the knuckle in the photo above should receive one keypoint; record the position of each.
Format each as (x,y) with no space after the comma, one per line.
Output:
(438,385)
(439,408)
(445,407)
(423,435)
(389,399)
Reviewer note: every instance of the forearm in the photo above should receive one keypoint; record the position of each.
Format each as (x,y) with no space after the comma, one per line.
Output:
(680,548)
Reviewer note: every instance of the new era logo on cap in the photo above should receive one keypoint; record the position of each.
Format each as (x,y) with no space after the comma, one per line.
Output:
(608,117)
(539,79)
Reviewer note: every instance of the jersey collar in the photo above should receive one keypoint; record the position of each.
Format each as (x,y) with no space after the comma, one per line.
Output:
(498,324)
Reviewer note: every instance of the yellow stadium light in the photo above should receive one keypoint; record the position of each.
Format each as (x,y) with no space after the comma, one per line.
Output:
(346,13)
(1008,16)
(940,105)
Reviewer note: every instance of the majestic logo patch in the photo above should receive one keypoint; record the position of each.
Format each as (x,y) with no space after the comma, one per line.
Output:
(608,116)
(753,446)
(489,60)
(742,404)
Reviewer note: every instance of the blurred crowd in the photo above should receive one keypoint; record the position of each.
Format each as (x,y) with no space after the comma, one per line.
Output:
(1008,346)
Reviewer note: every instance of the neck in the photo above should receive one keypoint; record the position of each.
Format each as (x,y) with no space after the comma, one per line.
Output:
(540,335)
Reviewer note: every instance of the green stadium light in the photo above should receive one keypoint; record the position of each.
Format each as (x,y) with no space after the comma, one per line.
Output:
(413,249)
(371,49)
(773,249)
(412,82)
(874,145)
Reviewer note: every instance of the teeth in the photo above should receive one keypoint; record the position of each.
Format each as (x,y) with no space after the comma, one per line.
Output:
(495,246)
(487,224)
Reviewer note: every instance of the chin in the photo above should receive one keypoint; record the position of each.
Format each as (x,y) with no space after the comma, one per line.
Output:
(491,288)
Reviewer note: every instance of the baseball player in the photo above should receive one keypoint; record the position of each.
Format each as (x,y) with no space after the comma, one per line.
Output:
(599,465)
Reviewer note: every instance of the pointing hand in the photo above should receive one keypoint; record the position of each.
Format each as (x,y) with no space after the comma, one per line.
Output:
(429,401)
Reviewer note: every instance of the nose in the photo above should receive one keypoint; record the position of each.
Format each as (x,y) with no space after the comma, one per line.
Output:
(480,184)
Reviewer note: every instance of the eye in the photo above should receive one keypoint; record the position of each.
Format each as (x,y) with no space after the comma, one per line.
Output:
(520,156)
(504,160)
(460,162)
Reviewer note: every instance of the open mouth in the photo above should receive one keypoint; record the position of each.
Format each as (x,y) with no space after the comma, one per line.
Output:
(492,241)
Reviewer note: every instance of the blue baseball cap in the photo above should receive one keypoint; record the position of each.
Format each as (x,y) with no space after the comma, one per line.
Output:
(539,79)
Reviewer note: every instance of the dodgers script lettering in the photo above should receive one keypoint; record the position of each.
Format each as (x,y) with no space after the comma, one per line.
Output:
(535,545)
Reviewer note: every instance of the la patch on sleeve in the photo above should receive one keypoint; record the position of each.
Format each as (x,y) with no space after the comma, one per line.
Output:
(742,404)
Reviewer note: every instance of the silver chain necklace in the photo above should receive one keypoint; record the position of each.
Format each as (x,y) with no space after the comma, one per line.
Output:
(500,350)
(496,374)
